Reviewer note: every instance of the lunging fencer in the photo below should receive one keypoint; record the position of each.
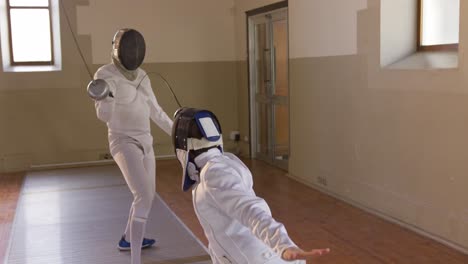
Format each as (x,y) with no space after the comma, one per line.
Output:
(238,224)
(125,101)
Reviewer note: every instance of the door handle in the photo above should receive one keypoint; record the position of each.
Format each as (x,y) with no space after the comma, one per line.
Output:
(273,69)
(266,64)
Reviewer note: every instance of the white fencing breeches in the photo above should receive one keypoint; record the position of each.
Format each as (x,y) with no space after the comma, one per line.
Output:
(139,171)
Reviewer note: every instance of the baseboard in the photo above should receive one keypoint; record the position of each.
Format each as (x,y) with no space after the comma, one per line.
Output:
(69,165)
(384,216)
(15,162)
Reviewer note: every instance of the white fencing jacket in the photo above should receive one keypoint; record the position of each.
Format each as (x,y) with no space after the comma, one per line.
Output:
(128,114)
(238,224)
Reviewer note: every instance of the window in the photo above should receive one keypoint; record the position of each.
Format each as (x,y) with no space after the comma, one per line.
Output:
(30,35)
(409,28)
(30,32)
(438,24)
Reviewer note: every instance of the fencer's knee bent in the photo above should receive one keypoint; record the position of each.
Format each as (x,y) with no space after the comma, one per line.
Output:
(142,205)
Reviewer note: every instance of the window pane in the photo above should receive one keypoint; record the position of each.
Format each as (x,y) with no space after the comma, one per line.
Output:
(440,22)
(29,2)
(30,32)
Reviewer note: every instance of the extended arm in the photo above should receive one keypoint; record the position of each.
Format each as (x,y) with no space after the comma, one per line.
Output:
(226,188)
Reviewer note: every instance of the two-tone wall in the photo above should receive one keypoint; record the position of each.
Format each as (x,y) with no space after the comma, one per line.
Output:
(394,141)
(47,118)
(391,141)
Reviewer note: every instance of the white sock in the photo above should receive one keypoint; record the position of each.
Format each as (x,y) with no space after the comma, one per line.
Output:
(137,230)
(129,222)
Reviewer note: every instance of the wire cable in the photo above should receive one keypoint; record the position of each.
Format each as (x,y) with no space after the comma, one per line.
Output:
(88,69)
(165,81)
(74,38)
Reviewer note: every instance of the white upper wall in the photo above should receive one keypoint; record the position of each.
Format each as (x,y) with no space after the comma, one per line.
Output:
(323,27)
(174,30)
(215,30)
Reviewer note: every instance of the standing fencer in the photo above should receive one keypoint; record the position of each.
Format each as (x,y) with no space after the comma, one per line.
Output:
(125,100)
(238,224)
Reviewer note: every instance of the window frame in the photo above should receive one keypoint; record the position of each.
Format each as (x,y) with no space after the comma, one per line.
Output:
(10,39)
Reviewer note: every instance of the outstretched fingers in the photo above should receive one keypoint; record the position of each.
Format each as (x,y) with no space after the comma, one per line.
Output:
(316,252)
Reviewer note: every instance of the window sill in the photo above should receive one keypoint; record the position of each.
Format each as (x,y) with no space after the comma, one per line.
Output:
(427,60)
(42,68)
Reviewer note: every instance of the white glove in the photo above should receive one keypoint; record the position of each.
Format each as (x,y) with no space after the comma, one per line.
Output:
(193,172)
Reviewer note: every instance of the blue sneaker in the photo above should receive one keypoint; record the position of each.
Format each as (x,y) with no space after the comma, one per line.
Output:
(125,245)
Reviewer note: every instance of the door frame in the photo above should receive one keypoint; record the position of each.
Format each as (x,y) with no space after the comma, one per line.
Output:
(251,82)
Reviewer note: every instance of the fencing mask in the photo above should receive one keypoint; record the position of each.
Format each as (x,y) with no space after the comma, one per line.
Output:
(194,130)
(128,48)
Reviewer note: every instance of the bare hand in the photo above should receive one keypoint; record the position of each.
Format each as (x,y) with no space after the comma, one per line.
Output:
(294,253)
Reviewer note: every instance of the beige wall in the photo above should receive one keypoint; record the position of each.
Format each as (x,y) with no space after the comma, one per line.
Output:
(323,27)
(47,118)
(175,30)
(394,141)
